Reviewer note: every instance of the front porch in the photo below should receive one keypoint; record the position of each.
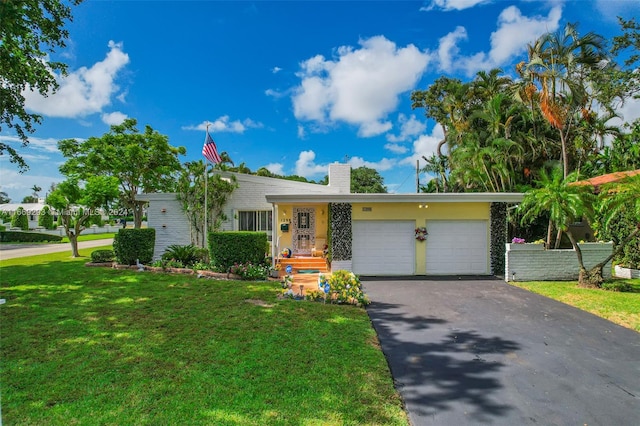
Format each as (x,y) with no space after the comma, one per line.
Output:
(304,271)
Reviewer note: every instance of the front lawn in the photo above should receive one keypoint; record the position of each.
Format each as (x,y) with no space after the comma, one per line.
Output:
(617,307)
(82,345)
(90,237)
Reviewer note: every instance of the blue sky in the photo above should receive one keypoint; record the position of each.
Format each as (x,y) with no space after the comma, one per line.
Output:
(288,85)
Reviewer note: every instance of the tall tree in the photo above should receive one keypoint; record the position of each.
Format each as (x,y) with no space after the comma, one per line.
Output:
(76,201)
(565,205)
(29,31)
(365,180)
(559,67)
(36,190)
(191,193)
(142,162)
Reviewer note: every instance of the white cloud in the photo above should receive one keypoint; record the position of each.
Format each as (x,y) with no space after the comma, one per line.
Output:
(306,166)
(396,148)
(275,94)
(425,145)
(276,70)
(380,166)
(39,144)
(18,185)
(513,34)
(629,112)
(409,127)
(224,124)
(275,168)
(113,118)
(84,91)
(448,5)
(360,86)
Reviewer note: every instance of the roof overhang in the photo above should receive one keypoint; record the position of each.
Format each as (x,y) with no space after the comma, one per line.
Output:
(467,197)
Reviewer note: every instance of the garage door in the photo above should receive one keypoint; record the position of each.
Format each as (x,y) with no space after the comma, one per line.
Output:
(457,247)
(383,248)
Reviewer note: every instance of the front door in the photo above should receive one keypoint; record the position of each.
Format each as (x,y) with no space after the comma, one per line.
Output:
(304,230)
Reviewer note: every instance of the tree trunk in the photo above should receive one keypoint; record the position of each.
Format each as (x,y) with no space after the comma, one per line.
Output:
(137,214)
(585,278)
(73,240)
(558,239)
(591,278)
(549,233)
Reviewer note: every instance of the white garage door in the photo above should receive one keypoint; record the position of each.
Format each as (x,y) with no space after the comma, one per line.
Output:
(383,247)
(457,247)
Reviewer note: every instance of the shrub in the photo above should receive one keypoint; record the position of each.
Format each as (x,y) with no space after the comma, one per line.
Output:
(102,256)
(133,244)
(27,237)
(617,286)
(187,255)
(3,228)
(250,271)
(229,248)
(46,218)
(20,219)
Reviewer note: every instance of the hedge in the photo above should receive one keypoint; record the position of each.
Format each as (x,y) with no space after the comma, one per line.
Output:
(102,256)
(228,248)
(27,237)
(131,244)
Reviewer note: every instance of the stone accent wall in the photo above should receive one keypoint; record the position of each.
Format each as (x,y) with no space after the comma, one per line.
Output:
(498,236)
(531,262)
(341,232)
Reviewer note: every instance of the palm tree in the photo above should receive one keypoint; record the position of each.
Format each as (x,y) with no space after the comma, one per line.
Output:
(564,203)
(36,190)
(488,84)
(558,70)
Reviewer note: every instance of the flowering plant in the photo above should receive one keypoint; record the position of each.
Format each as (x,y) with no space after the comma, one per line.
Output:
(517,240)
(249,271)
(421,233)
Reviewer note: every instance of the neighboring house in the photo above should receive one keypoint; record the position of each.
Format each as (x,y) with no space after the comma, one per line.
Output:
(582,230)
(32,210)
(369,234)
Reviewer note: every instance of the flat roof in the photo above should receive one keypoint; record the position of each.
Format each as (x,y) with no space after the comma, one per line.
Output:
(449,197)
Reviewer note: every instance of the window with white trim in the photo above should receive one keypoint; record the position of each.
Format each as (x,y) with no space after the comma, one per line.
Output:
(261,220)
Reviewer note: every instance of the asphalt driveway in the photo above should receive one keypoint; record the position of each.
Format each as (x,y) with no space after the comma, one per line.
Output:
(468,352)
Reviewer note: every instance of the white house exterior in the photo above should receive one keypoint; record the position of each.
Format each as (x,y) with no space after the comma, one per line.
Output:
(246,209)
(369,234)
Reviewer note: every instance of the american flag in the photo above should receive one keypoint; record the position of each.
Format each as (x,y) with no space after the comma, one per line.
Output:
(210,151)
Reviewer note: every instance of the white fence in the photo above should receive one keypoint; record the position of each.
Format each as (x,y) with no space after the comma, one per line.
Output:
(531,262)
(93,229)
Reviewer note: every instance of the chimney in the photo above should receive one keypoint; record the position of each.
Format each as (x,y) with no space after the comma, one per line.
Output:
(340,178)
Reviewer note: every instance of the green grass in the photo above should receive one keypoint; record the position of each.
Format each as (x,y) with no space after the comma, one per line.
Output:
(90,237)
(89,346)
(617,307)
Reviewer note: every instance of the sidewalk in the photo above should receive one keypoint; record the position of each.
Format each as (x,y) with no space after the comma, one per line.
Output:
(12,251)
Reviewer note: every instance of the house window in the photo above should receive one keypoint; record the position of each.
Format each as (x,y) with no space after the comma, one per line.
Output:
(256,221)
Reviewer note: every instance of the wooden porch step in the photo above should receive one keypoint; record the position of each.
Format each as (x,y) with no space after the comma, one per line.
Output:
(304,264)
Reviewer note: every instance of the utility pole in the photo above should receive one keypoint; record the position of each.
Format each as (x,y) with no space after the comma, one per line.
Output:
(417,176)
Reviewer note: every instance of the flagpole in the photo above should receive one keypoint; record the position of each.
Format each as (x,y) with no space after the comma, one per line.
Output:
(206,188)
